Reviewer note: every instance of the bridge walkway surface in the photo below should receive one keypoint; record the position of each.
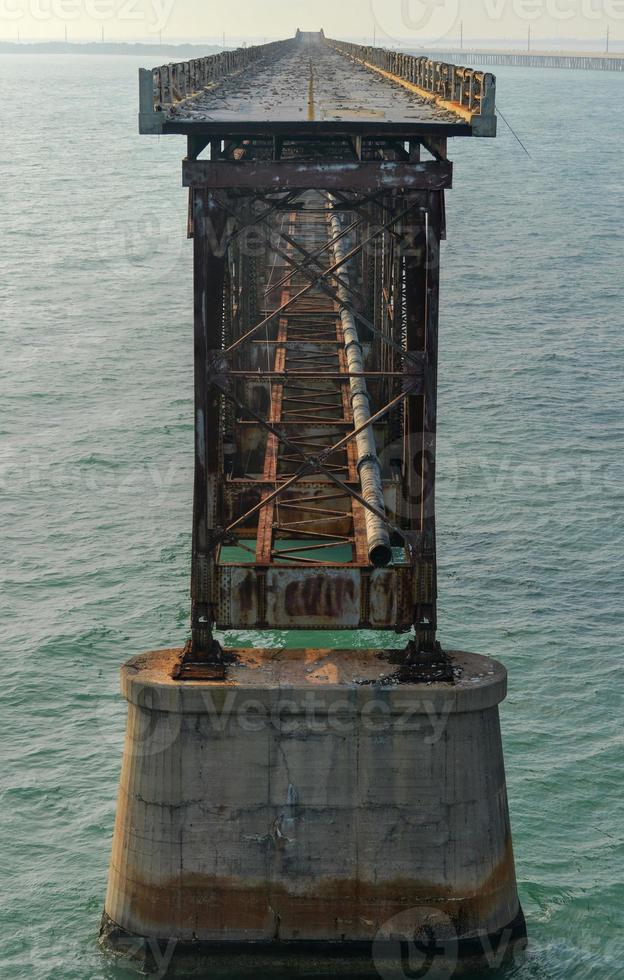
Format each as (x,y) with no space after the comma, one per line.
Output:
(312,82)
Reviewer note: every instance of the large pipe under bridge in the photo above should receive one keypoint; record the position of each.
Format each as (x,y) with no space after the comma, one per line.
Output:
(326,503)
(368,466)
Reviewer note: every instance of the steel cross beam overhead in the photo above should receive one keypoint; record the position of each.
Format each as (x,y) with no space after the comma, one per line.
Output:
(316,222)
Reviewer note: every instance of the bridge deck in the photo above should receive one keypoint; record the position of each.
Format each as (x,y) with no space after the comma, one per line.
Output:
(311,83)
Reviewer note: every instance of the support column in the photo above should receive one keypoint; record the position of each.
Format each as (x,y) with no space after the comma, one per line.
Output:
(422,298)
(208,285)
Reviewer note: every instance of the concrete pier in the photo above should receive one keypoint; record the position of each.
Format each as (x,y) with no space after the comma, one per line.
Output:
(310,815)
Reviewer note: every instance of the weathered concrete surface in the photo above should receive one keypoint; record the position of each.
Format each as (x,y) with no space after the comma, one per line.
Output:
(313,83)
(311,798)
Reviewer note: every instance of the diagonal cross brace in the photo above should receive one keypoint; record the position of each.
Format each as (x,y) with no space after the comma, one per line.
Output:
(311,464)
(319,280)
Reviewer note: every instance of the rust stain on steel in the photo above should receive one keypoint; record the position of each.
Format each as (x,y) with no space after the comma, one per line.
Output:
(303,596)
(322,596)
(285,175)
(295,525)
(246,594)
(239,587)
(278,394)
(384,596)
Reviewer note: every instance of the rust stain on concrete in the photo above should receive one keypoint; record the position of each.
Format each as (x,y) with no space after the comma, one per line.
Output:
(227,904)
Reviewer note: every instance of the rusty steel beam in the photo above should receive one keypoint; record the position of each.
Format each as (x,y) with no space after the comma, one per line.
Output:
(283,175)
(209,274)
(279,504)
(371,132)
(330,273)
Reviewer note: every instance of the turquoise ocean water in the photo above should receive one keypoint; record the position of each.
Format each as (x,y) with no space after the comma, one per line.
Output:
(96,465)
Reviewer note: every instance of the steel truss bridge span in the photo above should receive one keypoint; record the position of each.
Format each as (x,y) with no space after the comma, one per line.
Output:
(316,285)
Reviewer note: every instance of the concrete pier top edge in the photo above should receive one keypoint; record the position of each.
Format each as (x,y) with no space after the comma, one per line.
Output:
(362,678)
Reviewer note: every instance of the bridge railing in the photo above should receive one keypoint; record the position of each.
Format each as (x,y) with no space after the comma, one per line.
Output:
(469,93)
(164,86)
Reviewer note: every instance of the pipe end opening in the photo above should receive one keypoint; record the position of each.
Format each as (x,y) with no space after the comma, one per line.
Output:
(380,556)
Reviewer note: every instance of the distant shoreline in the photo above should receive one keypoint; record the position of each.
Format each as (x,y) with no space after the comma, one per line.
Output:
(612,61)
(178,51)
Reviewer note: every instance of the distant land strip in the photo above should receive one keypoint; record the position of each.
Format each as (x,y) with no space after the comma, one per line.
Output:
(177,51)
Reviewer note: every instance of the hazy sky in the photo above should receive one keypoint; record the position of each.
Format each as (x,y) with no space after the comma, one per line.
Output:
(414,21)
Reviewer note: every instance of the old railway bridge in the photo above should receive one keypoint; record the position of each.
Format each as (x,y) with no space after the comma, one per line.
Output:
(316,224)
(317,171)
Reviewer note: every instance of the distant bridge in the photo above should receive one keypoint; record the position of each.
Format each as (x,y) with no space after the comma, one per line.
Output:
(535,59)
